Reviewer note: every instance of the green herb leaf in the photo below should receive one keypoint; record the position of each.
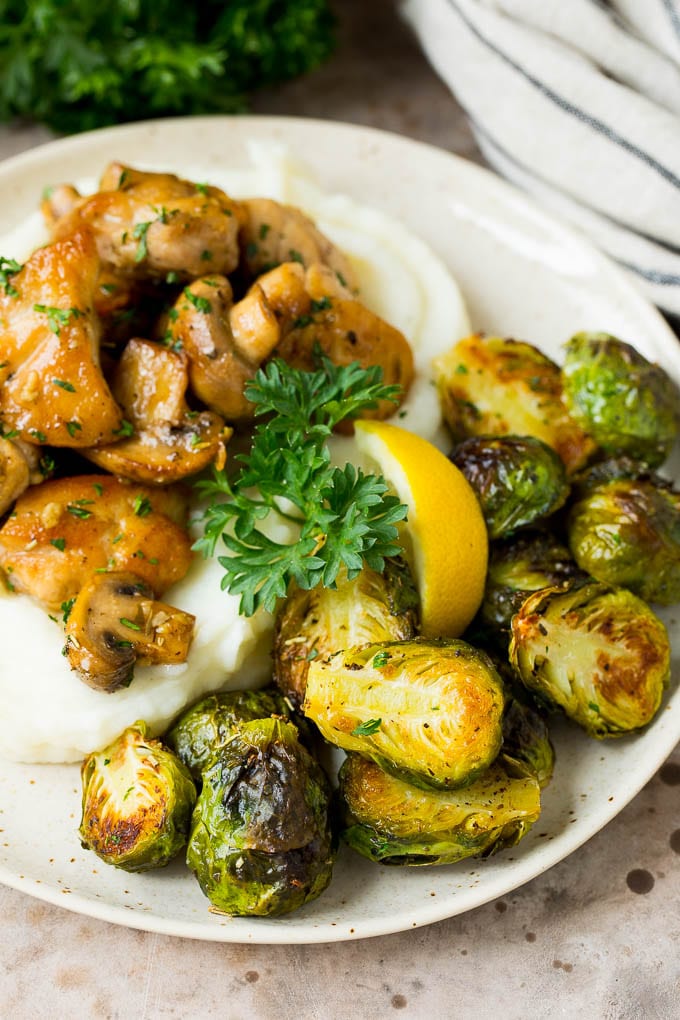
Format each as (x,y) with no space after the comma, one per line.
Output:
(130,624)
(367,729)
(58,317)
(342,518)
(64,385)
(58,543)
(139,234)
(8,268)
(201,304)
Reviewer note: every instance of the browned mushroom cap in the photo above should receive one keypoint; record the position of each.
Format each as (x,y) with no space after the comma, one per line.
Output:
(275,233)
(19,468)
(225,343)
(51,386)
(114,622)
(170,442)
(67,528)
(147,225)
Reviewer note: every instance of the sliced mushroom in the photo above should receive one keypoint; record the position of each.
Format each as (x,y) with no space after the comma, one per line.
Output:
(51,386)
(116,622)
(225,343)
(170,442)
(147,225)
(274,233)
(65,529)
(19,468)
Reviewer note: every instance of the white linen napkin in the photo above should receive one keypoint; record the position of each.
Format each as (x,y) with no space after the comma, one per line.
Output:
(578,103)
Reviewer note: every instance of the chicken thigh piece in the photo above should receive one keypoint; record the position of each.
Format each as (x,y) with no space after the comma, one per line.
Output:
(51,386)
(149,225)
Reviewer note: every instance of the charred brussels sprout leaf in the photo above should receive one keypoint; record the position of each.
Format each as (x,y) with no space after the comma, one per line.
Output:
(392,822)
(492,386)
(313,624)
(627,532)
(596,651)
(260,839)
(137,802)
(626,403)
(205,728)
(526,749)
(517,479)
(519,566)
(439,705)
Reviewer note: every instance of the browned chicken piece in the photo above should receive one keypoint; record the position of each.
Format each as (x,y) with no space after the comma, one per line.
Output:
(58,202)
(51,386)
(287,313)
(64,531)
(342,327)
(149,225)
(225,343)
(274,233)
(170,442)
(19,468)
(115,622)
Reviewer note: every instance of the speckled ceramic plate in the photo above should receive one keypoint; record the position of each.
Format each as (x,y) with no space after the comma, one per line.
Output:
(522,274)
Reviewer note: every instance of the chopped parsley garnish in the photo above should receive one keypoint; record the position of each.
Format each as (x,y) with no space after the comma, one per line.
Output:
(367,729)
(79,511)
(264,230)
(66,608)
(72,427)
(380,660)
(58,543)
(201,304)
(130,624)
(9,267)
(126,429)
(64,385)
(58,317)
(139,234)
(142,506)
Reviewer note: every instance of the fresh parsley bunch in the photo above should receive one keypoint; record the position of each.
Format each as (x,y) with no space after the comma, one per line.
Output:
(80,64)
(342,517)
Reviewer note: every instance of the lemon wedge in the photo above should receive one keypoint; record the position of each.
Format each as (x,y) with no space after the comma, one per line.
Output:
(445,538)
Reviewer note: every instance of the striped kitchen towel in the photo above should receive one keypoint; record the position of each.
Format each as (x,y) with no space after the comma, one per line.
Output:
(577,102)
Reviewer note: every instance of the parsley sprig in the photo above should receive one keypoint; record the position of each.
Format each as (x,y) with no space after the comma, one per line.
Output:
(343,517)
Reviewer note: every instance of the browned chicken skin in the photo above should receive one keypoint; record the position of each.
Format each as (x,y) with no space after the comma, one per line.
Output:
(274,233)
(147,225)
(51,386)
(19,468)
(170,442)
(64,531)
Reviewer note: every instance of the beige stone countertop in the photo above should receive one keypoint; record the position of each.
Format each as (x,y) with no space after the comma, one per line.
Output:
(597,936)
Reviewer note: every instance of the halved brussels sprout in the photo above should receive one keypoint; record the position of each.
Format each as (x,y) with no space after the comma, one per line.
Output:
(261,840)
(526,749)
(392,822)
(517,479)
(492,386)
(596,651)
(518,566)
(204,729)
(626,403)
(314,624)
(428,711)
(627,531)
(137,802)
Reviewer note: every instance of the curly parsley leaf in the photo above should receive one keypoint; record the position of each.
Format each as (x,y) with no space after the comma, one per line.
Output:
(343,518)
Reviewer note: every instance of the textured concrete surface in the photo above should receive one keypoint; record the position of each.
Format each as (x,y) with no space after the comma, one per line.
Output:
(598,936)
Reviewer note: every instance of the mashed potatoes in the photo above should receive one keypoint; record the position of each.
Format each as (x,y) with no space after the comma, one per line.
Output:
(48,714)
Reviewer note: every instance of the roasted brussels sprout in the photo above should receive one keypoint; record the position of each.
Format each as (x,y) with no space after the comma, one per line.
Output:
(260,838)
(392,822)
(204,729)
(491,386)
(428,711)
(313,624)
(627,404)
(517,479)
(137,802)
(596,651)
(526,749)
(518,566)
(627,531)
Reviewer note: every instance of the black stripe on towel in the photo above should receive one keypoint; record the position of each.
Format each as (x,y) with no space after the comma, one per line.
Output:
(564,104)
(672,249)
(673,16)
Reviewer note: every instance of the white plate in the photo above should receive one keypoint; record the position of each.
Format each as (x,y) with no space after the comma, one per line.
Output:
(523,275)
